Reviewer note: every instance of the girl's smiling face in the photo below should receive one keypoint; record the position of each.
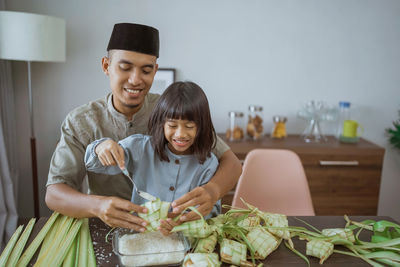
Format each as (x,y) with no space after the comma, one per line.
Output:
(180,135)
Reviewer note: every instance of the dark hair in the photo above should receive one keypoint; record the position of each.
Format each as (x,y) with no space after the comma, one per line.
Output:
(185,101)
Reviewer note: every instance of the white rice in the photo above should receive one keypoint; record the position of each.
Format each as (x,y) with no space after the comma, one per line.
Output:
(144,249)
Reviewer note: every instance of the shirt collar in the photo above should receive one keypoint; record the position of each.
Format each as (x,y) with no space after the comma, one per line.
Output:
(173,156)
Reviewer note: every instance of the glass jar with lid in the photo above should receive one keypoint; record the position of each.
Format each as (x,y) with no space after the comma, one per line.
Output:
(255,127)
(279,129)
(235,131)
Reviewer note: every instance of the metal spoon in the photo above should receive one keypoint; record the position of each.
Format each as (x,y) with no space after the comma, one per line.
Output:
(143,194)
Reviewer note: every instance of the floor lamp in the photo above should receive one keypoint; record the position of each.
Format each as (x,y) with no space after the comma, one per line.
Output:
(31,37)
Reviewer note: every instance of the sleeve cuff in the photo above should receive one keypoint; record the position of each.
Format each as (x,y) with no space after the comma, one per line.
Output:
(94,145)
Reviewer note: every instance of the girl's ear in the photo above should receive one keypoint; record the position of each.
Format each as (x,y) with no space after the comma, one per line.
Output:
(105,64)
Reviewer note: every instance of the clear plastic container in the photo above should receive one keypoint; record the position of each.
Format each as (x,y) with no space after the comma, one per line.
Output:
(344,114)
(255,129)
(236,125)
(149,249)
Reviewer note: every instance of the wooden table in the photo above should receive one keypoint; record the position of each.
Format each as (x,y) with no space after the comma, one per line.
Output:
(280,257)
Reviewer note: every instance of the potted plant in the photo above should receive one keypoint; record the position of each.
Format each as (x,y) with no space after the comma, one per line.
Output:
(394,134)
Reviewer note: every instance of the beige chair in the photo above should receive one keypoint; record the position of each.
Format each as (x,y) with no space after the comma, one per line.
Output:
(274,180)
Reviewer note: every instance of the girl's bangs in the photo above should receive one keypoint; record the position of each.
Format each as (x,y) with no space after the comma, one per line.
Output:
(180,111)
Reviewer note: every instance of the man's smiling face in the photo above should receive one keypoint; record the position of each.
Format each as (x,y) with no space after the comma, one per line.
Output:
(131,76)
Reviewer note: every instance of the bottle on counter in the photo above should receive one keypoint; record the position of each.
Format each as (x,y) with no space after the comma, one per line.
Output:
(279,129)
(255,127)
(235,131)
(344,114)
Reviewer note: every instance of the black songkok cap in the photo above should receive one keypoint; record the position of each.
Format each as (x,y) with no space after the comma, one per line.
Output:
(135,37)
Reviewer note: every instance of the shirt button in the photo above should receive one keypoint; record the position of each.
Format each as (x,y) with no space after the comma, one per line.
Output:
(177,161)
(130,125)
(171,188)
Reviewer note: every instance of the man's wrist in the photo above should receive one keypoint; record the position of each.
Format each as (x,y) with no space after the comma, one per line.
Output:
(94,205)
(214,190)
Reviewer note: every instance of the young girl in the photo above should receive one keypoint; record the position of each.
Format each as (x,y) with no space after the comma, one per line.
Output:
(175,158)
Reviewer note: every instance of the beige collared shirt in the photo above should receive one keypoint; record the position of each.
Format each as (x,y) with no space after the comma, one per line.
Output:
(87,123)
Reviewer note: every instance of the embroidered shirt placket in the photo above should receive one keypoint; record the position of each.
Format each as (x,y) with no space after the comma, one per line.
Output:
(176,162)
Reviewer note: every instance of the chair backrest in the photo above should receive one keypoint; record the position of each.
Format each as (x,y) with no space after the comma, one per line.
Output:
(274,181)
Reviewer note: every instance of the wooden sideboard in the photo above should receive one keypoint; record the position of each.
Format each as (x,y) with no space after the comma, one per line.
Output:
(343,178)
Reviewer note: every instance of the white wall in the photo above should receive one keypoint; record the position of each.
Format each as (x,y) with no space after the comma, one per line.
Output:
(278,54)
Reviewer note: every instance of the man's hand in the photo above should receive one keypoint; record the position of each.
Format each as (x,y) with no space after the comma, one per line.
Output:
(110,153)
(203,198)
(116,212)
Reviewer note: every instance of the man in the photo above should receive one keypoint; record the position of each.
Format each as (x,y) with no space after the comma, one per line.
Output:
(131,64)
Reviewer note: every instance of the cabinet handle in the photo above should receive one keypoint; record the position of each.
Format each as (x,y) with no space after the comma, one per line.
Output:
(230,193)
(338,163)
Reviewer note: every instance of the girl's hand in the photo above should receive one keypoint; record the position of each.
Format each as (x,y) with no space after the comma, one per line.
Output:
(167,225)
(110,153)
(202,197)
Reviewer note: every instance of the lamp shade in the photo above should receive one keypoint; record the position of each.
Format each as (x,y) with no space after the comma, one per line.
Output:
(31,37)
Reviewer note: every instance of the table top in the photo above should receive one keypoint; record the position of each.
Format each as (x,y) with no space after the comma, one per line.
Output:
(280,257)
(297,144)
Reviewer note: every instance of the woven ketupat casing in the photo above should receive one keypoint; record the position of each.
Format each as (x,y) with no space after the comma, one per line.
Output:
(320,249)
(234,252)
(157,210)
(207,245)
(342,233)
(197,229)
(277,220)
(262,241)
(249,222)
(201,260)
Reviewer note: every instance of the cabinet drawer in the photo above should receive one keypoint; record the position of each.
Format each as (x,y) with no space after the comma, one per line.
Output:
(343,184)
